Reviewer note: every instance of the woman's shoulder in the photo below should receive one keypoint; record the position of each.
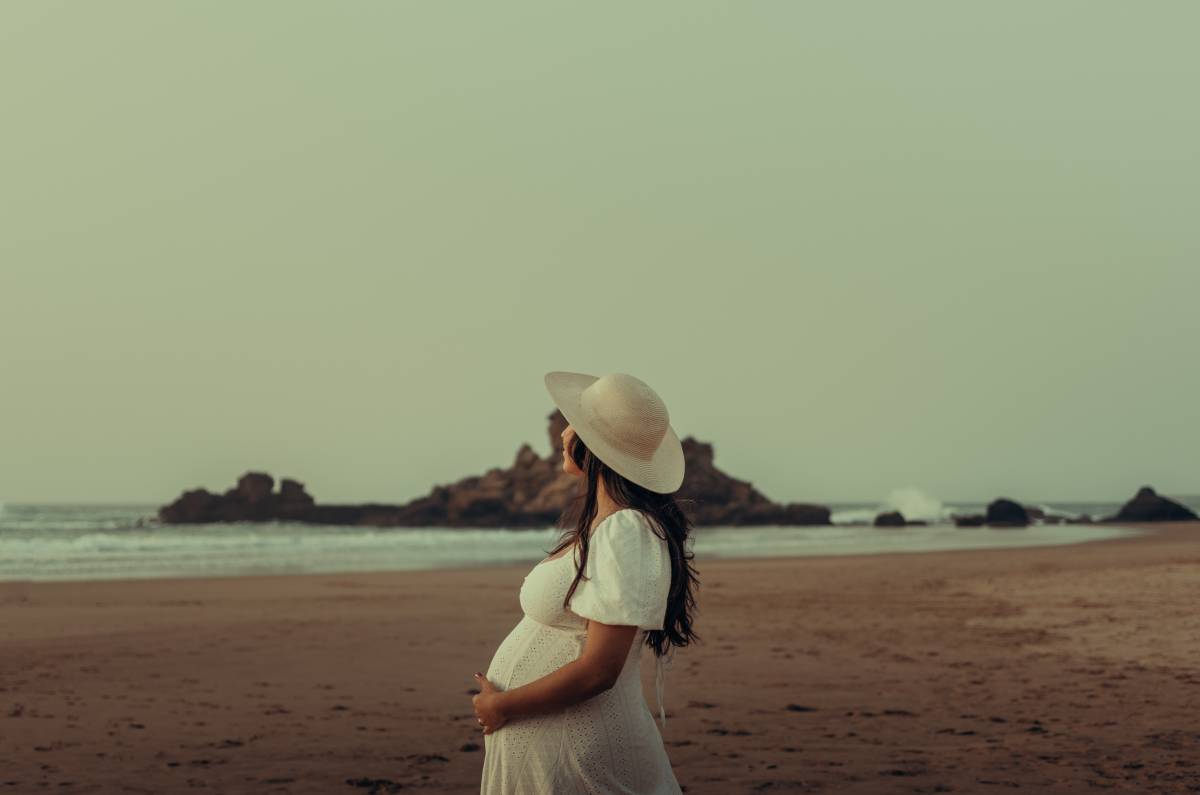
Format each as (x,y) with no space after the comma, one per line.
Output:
(626,519)
(627,527)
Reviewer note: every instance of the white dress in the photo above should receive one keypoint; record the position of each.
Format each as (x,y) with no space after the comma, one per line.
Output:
(608,743)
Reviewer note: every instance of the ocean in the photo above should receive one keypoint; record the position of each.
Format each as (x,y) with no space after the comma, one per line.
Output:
(82,542)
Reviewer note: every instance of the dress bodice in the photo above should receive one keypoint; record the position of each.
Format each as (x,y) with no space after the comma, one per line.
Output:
(544,589)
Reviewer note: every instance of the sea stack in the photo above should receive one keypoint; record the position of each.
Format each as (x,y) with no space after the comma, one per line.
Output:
(532,492)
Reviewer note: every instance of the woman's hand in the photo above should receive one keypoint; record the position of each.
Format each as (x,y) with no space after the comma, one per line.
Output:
(488,710)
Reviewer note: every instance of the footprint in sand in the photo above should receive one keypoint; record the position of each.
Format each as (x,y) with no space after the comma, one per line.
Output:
(375,786)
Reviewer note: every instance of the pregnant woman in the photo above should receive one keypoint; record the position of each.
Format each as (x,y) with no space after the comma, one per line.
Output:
(561,707)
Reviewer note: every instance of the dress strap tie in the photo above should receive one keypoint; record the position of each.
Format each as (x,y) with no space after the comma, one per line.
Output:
(659,687)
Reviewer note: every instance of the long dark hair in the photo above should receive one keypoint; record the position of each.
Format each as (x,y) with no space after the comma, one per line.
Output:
(669,523)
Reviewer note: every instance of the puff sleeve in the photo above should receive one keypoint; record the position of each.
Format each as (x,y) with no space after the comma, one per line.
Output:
(629,573)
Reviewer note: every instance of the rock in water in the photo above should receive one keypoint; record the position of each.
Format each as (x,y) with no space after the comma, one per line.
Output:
(251,500)
(533,492)
(1007,513)
(1148,506)
(890,519)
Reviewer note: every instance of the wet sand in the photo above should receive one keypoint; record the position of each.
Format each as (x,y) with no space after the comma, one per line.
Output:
(1049,669)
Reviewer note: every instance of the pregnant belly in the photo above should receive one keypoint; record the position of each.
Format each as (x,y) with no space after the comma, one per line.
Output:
(531,651)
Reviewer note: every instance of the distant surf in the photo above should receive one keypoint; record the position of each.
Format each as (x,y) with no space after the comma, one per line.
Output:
(116,542)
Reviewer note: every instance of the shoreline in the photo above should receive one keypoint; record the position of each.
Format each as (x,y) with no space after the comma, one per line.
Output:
(1057,668)
(1041,536)
(1145,530)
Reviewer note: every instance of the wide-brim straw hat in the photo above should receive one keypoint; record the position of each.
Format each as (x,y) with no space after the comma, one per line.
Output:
(624,423)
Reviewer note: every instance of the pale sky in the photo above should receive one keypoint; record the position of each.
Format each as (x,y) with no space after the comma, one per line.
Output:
(856,246)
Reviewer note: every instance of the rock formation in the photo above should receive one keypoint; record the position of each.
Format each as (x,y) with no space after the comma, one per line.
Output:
(711,497)
(251,500)
(533,492)
(1001,512)
(1149,506)
(897,519)
(1006,513)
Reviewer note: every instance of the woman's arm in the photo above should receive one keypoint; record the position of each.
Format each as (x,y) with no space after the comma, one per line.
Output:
(596,670)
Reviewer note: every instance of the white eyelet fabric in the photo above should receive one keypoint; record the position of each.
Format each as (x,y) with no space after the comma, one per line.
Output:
(609,743)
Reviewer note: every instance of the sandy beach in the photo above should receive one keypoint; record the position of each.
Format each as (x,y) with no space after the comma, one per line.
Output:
(1050,669)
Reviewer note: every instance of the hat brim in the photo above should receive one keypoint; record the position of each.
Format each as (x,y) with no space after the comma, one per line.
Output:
(662,472)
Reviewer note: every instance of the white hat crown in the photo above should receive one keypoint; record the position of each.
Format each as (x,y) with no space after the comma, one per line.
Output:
(627,412)
(624,423)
